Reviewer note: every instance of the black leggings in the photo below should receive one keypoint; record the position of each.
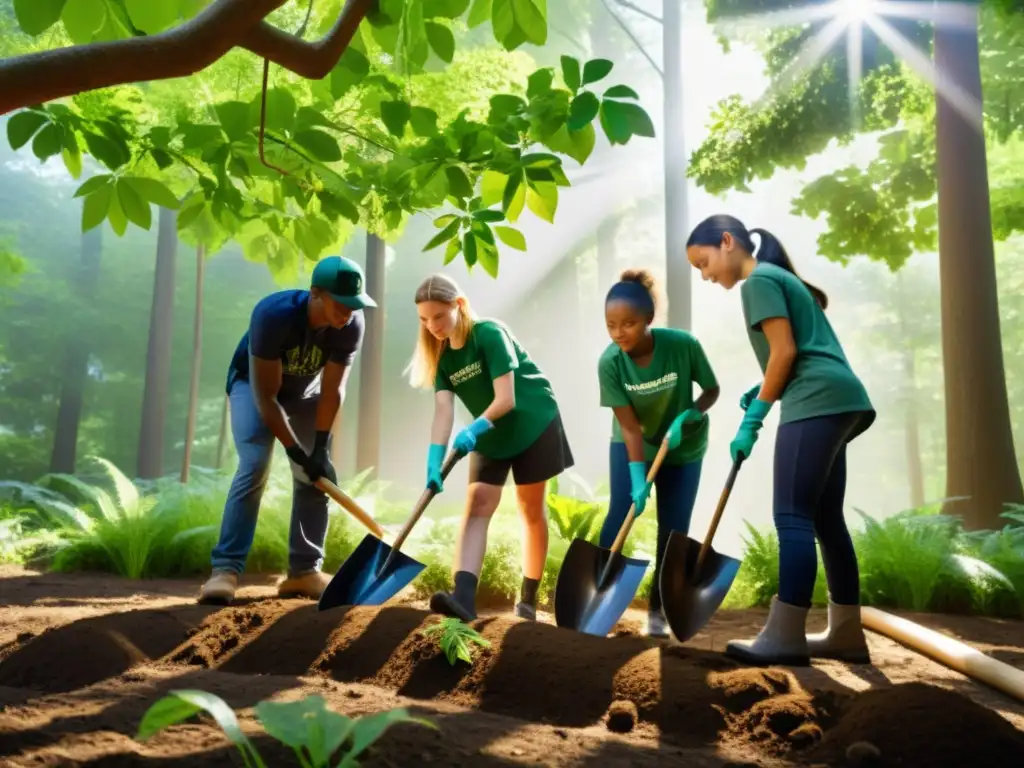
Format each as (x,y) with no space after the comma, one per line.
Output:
(810,484)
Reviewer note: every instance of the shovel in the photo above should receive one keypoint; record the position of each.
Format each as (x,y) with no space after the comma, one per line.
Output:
(694,577)
(376,572)
(595,586)
(349,505)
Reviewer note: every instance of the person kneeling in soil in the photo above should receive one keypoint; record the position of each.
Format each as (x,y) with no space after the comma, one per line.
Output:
(646,376)
(286,381)
(517,427)
(824,407)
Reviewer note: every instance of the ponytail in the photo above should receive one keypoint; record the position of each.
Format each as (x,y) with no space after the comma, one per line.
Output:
(710,232)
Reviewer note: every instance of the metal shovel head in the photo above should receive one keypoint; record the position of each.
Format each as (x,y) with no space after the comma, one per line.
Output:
(690,602)
(360,580)
(579,602)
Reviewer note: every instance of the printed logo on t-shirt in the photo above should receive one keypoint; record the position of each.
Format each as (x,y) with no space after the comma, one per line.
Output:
(465,374)
(668,381)
(298,364)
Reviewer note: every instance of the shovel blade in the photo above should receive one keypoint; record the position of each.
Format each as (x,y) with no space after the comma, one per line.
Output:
(581,602)
(360,580)
(689,599)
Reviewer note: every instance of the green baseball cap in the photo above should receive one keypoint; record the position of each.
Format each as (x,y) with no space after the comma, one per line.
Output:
(343,280)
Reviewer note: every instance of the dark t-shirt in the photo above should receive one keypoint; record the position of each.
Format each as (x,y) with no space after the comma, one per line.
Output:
(279,329)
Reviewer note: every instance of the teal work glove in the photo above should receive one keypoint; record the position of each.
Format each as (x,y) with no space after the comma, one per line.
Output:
(641,489)
(435,455)
(685,419)
(748,397)
(743,444)
(465,441)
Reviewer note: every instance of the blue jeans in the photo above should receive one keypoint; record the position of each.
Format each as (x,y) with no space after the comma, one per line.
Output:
(810,485)
(677,492)
(255,445)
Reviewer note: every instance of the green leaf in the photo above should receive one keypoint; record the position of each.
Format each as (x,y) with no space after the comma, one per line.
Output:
(92,184)
(504,105)
(571,73)
(479,13)
(338,205)
(23,126)
(583,110)
(511,237)
(540,82)
(395,115)
(469,248)
(492,187)
(512,185)
(443,221)
(446,234)
(488,257)
(96,206)
(621,121)
(368,728)
(459,185)
(519,21)
(280,109)
(153,191)
(109,152)
(36,16)
(48,142)
(342,80)
(313,235)
(621,92)
(319,144)
(542,199)
(308,724)
(234,118)
(453,250)
(115,215)
(595,70)
(83,19)
(486,214)
(423,121)
(441,40)
(191,210)
(72,159)
(445,9)
(152,16)
(135,208)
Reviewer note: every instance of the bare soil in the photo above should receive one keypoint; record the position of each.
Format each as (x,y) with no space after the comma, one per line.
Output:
(82,657)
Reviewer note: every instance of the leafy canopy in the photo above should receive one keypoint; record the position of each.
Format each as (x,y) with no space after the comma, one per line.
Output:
(290,169)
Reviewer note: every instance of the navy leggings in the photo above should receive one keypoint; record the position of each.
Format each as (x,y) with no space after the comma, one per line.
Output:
(810,483)
(677,492)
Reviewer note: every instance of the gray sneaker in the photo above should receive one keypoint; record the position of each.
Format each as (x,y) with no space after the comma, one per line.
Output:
(526,611)
(219,589)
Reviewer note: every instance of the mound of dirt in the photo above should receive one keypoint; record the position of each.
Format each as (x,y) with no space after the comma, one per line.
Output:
(922,725)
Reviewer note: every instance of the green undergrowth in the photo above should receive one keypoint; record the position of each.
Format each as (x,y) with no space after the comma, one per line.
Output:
(101,521)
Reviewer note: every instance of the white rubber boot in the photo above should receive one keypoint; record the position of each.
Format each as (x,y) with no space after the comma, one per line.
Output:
(309,585)
(782,640)
(844,638)
(219,589)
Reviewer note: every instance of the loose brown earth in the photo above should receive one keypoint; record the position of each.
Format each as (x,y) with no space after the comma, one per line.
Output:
(83,657)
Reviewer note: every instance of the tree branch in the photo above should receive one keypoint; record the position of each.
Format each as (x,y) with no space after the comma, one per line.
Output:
(313,61)
(638,9)
(39,77)
(632,37)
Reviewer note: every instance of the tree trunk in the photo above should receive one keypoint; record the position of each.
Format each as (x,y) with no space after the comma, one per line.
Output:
(371,374)
(911,421)
(158,354)
(222,437)
(677,228)
(75,368)
(197,359)
(980,457)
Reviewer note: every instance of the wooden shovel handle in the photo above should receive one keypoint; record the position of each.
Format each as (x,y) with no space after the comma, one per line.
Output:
(713,528)
(350,506)
(425,498)
(630,517)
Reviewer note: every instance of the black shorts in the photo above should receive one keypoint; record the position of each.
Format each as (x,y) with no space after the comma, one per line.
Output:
(547,457)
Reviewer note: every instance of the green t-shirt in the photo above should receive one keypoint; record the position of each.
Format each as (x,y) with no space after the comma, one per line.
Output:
(822,382)
(492,351)
(659,392)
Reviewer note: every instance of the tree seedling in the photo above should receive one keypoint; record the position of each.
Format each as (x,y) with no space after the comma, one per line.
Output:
(454,637)
(315,733)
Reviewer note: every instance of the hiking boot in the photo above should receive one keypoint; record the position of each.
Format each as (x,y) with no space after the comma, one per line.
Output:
(446,604)
(219,589)
(657,625)
(526,611)
(844,638)
(780,641)
(309,585)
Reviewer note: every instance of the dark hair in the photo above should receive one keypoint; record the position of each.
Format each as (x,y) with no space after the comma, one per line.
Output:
(711,230)
(638,287)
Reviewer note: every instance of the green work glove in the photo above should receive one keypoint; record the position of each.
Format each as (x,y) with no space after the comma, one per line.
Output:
(747,397)
(685,419)
(435,456)
(743,444)
(641,488)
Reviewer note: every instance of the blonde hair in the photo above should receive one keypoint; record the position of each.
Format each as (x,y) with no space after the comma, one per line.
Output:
(422,369)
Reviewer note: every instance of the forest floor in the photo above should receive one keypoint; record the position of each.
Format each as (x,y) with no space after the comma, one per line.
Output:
(82,657)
